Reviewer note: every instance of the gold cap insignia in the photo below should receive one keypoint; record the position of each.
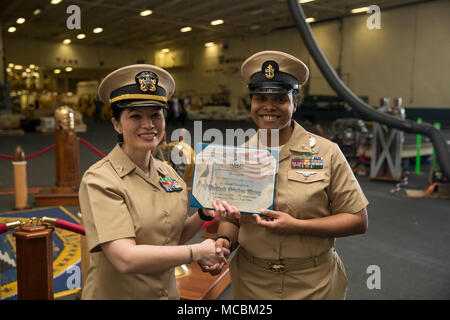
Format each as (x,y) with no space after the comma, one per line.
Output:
(269,72)
(147,80)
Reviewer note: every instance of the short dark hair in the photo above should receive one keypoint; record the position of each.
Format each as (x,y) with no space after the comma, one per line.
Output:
(116,112)
(297,96)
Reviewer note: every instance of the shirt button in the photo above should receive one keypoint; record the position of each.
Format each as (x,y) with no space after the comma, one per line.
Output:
(164,293)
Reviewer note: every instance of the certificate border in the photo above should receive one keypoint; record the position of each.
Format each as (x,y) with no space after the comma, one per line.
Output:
(200,146)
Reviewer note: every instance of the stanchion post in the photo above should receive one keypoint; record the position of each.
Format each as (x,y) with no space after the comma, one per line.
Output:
(20,179)
(418,148)
(67,163)
(66,151)
(34,253)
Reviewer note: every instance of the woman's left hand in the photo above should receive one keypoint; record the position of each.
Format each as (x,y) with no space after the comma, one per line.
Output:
(224,211)
(277,221)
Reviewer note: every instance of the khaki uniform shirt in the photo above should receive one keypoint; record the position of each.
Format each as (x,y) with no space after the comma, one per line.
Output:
(331,190)
(118,200)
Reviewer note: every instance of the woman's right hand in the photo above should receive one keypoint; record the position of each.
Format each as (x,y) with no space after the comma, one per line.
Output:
(206,253)
(217,268)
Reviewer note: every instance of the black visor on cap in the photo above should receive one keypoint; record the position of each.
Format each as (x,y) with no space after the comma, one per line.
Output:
(271,80)
(272,87)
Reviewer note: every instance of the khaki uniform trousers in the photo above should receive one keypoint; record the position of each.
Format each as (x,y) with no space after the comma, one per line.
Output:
(319,278)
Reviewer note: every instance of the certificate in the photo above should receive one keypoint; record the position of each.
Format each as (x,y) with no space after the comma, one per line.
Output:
(244,177)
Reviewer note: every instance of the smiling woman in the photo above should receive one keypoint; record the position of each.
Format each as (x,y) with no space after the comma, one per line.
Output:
(288,252)
(141,128)
(135,207)
(274,112)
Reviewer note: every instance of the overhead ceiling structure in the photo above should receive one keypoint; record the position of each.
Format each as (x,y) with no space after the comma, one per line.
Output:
(123,24)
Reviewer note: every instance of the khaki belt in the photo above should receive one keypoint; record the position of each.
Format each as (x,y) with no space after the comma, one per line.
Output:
(290,264)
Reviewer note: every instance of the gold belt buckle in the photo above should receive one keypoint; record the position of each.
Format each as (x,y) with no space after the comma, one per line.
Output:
(277,267)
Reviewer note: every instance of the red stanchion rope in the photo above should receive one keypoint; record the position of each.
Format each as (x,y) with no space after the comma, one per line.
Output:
(39,152)
(5,156)
(69,226)
(3,228)
(90,146)
(59,223)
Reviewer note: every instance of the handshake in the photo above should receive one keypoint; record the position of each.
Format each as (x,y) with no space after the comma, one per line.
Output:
(216,252)
(211,255)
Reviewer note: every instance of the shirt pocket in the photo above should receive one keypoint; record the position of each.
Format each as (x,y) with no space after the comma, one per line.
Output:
(307,194)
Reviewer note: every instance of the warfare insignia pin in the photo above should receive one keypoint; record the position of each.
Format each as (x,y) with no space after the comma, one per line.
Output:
(147,81)
(306,173)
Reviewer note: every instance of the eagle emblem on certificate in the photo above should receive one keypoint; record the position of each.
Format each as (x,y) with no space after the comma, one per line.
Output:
(242,176)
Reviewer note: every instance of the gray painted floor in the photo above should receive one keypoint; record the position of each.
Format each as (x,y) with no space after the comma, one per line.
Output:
(408,239)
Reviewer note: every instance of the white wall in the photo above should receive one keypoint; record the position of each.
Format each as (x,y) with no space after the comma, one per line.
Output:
(431,78)
(408,57)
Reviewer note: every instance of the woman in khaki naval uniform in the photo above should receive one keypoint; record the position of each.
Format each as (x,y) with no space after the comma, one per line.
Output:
(288,253)
(134,206)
